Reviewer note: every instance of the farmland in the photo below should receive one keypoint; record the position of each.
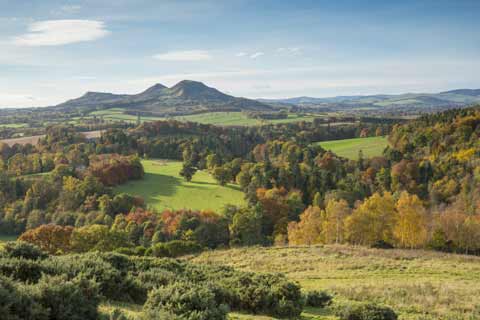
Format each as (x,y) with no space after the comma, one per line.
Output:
(163,188)
(214,118)
(349,148)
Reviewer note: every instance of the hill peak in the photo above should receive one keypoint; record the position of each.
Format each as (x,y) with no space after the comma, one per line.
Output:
(195,90)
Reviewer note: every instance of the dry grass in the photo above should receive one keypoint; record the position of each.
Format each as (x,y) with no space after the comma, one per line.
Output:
(417,284)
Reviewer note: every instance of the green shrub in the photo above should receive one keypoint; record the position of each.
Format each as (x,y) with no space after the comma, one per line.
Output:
(21,249)
(109,270)
(175,248)
(270,294)
(186,301)
(126,251)
(21,269)
(156,277)
(117,314)
(75,299)
(317,299)
(17,303)
(137,251)
(366,311)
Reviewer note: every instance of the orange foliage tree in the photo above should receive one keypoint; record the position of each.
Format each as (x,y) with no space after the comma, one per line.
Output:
(50,238)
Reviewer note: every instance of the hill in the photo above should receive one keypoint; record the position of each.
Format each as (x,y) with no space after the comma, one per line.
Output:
(185,97)
(422,101)
(417,284)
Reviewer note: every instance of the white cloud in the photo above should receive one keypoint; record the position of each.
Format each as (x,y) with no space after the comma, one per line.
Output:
(188,55)
(61,32)
(240,54)
(256,55)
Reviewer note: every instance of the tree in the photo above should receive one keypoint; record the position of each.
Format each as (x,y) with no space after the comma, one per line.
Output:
(411,221)
(188,170)
(50,238)
(98,237)
(308,230)
(222,175)
(246,227)
(372,221)
(334,225)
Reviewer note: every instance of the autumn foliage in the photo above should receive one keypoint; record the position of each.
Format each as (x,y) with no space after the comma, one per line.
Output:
(113,170)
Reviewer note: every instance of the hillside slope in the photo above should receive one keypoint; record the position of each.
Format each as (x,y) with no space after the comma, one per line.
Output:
(185,97)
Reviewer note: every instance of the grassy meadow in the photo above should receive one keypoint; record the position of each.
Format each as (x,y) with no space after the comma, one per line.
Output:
(214,118)
(163,188)
(5,238)
(416,284)
(349,148)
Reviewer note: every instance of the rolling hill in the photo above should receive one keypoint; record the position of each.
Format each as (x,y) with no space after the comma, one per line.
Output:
(185,97)
(425,101)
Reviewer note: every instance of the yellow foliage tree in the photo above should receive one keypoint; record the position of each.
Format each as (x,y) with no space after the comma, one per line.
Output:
(411,222)
(372,221)
(309,229)
(334,222)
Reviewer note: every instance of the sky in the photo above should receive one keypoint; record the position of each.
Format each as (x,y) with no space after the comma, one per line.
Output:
(55,50)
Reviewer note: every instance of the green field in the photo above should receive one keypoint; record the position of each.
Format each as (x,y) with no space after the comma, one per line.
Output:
(215,118)
(5,238)
(239,119)
(416,284)
(163,188)
(349,148)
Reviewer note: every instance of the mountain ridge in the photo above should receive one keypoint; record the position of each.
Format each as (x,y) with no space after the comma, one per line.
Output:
(187,96)
(457,97)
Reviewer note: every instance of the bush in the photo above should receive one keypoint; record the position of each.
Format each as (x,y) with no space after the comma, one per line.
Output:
(381,244)
(173,249)
(269,294)
(317,299)
(21,249)
(21,269)
(75,299)
(186,301)
(108,270)
(17,304)
(366,311)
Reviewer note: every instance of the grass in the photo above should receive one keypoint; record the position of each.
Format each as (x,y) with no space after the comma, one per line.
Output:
(349,148)
(220,118)
(163,188)
(215,118)
(239,119)
(14,125)
(7,237)
(417,284)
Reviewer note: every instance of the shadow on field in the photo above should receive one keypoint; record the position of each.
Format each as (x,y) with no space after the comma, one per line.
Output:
(159,184)
(317,313)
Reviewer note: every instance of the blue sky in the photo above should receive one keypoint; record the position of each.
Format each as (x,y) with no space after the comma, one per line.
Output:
(51,51)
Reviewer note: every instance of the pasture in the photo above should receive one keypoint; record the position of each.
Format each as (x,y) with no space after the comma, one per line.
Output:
(214,118)
(163,188)
(7,237)
(349,148)
(417,284)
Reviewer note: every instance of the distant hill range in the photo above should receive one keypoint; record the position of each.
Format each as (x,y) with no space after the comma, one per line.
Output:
(188,97)
(183,98)
(408,101)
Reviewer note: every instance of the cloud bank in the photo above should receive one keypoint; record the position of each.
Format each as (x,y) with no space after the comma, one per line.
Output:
(61,32)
